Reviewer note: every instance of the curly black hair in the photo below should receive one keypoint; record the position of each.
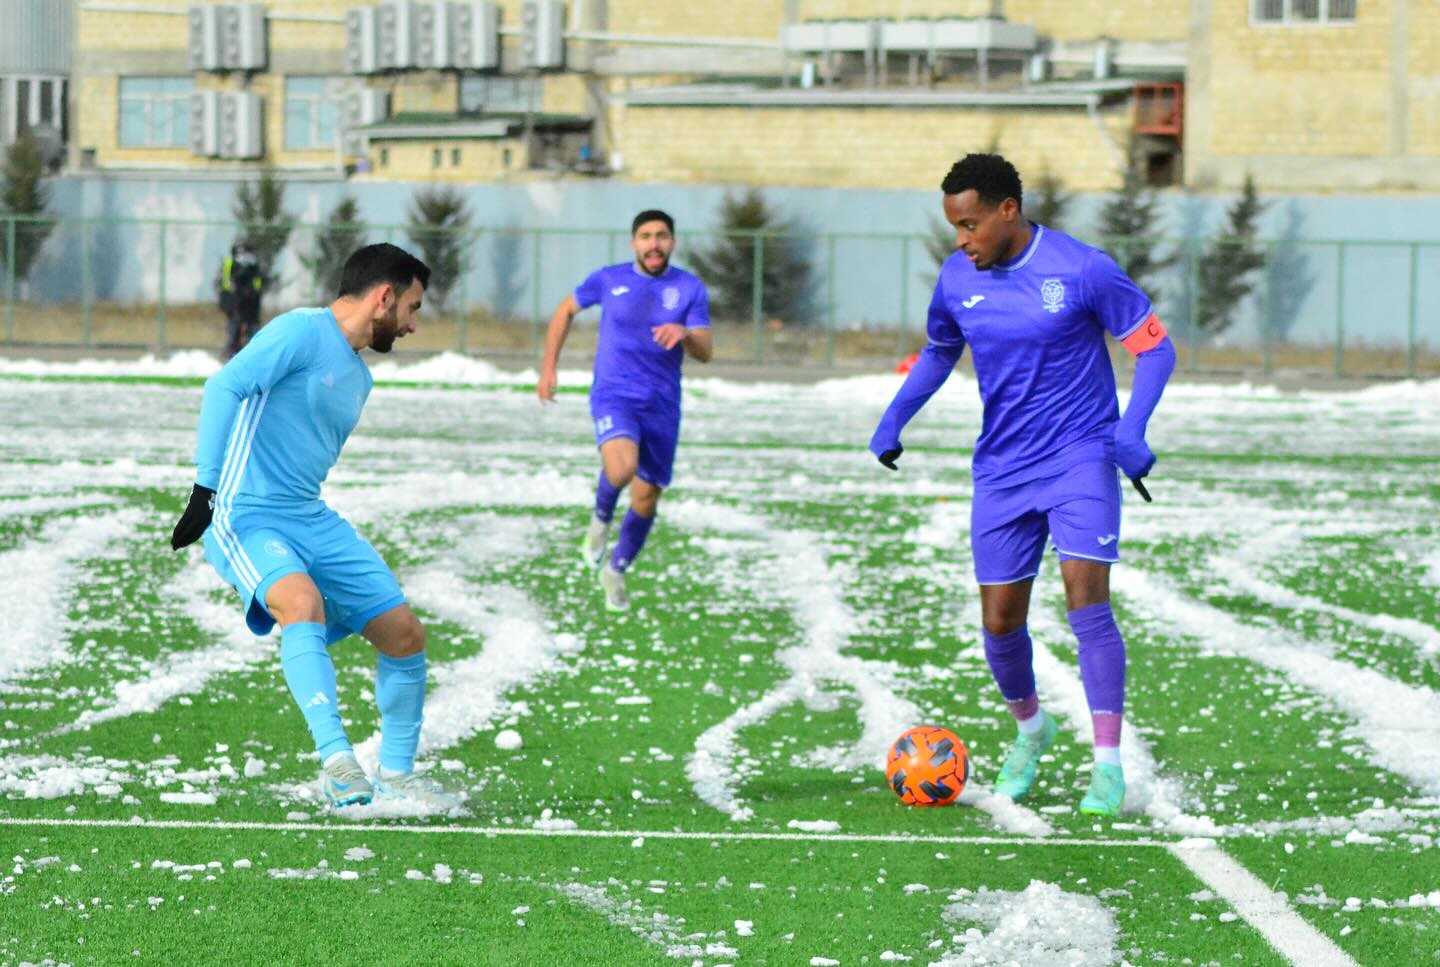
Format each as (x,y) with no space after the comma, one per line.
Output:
(993,178)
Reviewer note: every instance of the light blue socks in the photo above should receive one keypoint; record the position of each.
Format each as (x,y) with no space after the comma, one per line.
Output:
(311,676)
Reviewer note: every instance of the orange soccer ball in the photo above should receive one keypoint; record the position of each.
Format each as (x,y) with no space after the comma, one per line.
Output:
(928,766)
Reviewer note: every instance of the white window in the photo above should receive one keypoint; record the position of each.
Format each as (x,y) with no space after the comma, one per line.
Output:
(155,112)
(312,111)
(1302,11)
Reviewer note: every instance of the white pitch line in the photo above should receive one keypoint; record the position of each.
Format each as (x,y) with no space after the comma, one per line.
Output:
(1289,933)
(630,834)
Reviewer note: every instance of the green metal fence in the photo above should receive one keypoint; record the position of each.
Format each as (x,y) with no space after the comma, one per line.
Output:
(1332,307)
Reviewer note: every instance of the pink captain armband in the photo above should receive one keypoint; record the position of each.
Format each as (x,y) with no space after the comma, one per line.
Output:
(1146,336)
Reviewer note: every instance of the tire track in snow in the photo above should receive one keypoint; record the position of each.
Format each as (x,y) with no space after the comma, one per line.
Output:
(1398,723)
(188,672)
(803,577)
(469,694)
(1260,544)
(42,576)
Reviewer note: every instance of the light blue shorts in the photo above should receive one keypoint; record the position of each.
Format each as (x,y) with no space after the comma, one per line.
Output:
(252,549)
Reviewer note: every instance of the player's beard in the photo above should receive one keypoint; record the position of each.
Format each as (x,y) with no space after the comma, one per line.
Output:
(384,332)
(659,270)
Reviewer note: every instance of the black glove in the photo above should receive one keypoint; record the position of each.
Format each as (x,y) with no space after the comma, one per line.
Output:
(195,519)
(889,457)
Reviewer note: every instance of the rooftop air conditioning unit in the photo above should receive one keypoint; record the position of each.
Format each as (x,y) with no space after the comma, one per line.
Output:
(433,28)
(823,35)
(240,125)
(204,40)
(242,36)
(205,123)
(476,35)
(362,52)
(358,109)
(542,34)
(396,23)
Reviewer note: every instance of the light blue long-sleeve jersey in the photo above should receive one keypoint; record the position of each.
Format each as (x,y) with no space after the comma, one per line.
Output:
(274,419)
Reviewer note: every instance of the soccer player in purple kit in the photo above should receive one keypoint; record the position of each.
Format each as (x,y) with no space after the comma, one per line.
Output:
(1034,306)
(651,315)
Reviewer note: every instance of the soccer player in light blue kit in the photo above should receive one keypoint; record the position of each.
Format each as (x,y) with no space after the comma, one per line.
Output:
(1034,305)
(651,315)
(272,424)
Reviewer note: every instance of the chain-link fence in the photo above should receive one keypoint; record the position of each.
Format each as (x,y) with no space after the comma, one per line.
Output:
(1330,307)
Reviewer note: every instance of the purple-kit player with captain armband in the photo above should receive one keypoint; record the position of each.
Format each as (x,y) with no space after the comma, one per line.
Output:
(1034,305)
(651,315)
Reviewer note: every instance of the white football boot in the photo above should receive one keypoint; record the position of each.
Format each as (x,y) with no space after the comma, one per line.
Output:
(613,584)
(597,538)
(416,787)
(344,782)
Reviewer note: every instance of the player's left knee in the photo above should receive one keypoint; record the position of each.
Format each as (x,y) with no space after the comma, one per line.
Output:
(645,500)
(412,640)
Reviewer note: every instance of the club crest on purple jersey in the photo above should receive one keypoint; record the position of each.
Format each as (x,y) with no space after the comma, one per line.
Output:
(1052,294)
(670,297)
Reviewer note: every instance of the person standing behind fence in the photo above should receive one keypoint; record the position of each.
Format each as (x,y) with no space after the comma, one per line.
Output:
(241,285)
(651,315)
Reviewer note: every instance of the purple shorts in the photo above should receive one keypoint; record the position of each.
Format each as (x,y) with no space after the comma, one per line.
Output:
(1079,510)
(653,425)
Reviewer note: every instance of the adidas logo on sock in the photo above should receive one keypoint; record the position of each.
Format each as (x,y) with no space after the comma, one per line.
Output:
(319,699)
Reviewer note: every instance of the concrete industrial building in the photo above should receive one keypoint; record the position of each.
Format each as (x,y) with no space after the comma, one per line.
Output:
(1307,95)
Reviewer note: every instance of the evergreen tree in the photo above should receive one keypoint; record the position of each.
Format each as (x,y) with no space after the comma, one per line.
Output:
(335,241)
(1130,229)
(939,244)
(728,265)
(24,194)
(265,225)
(507,264)
(1227,269)
(439,224)
(1047,203)
(1291,278)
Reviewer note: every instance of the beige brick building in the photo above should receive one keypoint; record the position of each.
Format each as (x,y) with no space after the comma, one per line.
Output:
(1309,95)
(1347,102)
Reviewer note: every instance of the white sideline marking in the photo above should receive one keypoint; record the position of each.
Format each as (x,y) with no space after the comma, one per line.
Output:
(630,834)
(1289,933)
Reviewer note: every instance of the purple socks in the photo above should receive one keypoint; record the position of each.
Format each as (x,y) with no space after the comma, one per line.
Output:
(1102,669)
(1010,656)
(633,531)
(605,498)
